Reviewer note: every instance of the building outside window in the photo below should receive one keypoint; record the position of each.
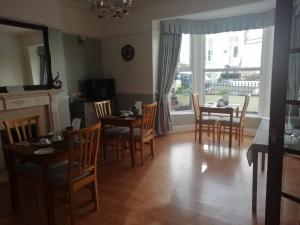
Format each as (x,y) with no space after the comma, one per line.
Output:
(231,66)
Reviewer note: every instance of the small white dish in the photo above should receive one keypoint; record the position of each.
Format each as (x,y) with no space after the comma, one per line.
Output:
(43,151)
(43,142)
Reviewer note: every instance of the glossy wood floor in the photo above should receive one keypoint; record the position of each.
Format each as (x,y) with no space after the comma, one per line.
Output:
(187,183)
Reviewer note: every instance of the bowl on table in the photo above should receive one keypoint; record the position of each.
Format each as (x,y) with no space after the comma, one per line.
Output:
(43,142)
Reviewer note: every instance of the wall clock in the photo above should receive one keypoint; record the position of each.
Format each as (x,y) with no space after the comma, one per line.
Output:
(127,52)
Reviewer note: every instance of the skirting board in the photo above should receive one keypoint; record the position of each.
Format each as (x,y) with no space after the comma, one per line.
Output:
(189,128)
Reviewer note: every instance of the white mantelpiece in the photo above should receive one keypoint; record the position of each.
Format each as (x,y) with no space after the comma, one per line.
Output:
(12,105)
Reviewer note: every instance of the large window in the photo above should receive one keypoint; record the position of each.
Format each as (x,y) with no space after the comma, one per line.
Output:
(232,66)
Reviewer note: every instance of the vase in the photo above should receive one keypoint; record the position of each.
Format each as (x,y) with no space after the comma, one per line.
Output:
(226,98)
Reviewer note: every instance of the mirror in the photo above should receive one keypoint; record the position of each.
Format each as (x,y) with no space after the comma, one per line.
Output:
(24,56)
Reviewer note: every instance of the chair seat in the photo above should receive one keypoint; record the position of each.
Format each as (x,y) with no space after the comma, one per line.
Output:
(225,121)
(209,119)
(137,133)
(59,174)
(115,131)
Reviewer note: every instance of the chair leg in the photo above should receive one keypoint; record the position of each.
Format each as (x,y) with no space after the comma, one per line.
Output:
(152,147)
(123,149)
(242,134)
(208,130)
(224,129)
(214,133)
(104,150)
(72,206)
(96,194)
(200,133)
(219,133)
(142,154)
(239,136)
(195,131)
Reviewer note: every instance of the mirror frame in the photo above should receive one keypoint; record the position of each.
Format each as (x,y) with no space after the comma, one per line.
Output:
(44,30)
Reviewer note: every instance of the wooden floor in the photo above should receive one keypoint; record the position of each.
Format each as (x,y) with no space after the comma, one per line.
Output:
(186,184)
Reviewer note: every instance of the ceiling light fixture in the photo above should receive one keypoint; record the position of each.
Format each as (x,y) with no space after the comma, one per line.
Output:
(111,8)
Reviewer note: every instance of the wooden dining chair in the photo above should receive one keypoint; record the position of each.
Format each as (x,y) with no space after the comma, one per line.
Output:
(238,123)
(203,120)
(81,168)
(24,129)
(109,134)
(28,174)
(145,133)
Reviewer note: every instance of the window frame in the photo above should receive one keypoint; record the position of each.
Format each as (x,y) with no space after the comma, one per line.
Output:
(198,53)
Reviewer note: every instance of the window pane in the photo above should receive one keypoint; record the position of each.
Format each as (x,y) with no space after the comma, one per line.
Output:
(232,66)
(184,58)
(180,95)
(235,49)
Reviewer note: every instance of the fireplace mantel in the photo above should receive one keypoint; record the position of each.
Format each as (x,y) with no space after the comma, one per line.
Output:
(28,99)
(13,105)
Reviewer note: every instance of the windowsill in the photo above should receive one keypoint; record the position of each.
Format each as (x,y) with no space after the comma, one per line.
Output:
(187,112)
(190,112)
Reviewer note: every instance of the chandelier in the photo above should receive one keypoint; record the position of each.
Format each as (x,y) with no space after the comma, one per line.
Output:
(112,8)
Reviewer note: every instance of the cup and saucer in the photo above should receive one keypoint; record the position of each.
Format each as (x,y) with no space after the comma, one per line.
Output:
(43,142)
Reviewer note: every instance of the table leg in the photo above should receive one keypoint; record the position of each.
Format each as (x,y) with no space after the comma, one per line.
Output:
(14,189)
(263,161)
(200,132)
(237,112)
(132,146)
(230,130)
(254,182)
(48,195)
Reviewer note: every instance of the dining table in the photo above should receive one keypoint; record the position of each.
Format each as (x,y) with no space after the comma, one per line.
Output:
(27,152)
(229,109)
(131,122)
(260,144)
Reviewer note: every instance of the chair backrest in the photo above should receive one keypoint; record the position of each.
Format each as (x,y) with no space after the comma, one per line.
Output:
(24,128)
(103,108)
(244,110)
(83,152)
(196,105)
(149,115)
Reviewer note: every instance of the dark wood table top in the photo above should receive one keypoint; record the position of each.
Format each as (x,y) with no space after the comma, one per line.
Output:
(26,152)
(121,121)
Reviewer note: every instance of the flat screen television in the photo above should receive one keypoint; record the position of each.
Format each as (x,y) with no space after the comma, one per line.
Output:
(99,89)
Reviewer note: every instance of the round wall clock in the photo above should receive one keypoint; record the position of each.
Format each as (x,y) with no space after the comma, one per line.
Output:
(127,52)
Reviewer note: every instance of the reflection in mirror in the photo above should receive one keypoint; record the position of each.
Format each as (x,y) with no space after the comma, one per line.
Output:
(22,57)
